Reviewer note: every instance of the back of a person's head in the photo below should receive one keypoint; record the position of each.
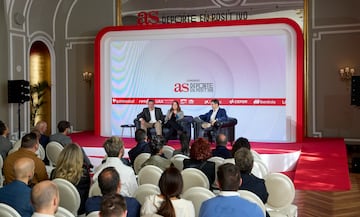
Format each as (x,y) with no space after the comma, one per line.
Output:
(140,135)
(63,125)
(200,149)
(24,168)
(2,127)
(228,177)
(29,140)
(156,144)
(43,195)
(171,185)
(113,146)
(244,160)
(37,132)
(109,181)
(239,143)
(221,140)
(113,205)
(69,164)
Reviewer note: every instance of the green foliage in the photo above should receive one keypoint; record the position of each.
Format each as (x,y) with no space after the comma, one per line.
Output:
(37,92)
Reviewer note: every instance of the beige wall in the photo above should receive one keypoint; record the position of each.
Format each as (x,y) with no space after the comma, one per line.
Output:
(334,42)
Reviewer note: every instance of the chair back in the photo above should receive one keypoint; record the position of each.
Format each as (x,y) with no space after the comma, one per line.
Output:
(93,214)
(255,154)
(168,151)
(229,160)
(69,196)
(8,211)
(62,212)
(281,190)
(53,150)
(250,196)
(260,169)
(197,195)
(218,161)
(149,174)
(193,177)
(139,160)
(95,190)
(145,190)
(41,152)
(178,159)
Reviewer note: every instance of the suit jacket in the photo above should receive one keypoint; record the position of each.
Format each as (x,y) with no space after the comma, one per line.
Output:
(145,114)
(141,147)
(221,151)
(255,185)
(220,115)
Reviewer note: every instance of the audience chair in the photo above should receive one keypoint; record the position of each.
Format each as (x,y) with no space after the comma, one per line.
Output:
(229,160)
(248,195)
(69,196)
(15,147)
(260,169)
(41,152)
(145,190)
(255,155)
(149,174)
(8,211)
(178,159)
(139,160)
(95,190)
(281,195)
(152,215)
(218,161)
(93,214)
(168,151)
(62,212)
(53,150)
(193,177)
(197,195)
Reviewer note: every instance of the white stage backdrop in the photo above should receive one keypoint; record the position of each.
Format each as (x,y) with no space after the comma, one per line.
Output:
(251,69)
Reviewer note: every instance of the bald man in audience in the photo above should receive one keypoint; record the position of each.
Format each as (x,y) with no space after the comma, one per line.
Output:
(29,145)
(17,193)
(45,199)
(113,206)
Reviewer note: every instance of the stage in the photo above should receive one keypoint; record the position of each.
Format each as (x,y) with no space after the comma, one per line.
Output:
(313,164)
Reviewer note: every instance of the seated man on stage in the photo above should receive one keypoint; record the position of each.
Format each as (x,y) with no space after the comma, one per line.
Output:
(151,117)
(211,121)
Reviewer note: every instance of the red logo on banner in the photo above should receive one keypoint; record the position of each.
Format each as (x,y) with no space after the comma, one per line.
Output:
(148,18)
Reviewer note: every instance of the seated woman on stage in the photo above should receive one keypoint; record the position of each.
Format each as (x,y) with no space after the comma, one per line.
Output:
(173,115)
(200,152)
(169,203)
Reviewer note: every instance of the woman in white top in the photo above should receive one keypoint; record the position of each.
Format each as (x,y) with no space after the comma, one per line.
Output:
(169,203)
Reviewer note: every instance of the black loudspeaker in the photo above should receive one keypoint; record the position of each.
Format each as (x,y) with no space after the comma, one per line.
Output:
(18,91)
(355,165)
(355,90)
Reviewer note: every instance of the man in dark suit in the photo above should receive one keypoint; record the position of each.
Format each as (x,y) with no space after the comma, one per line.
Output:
(151,117)
(221,150)
(141,147)
(212,119)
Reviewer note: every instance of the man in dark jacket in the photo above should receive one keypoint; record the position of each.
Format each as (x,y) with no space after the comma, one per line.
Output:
(151,117)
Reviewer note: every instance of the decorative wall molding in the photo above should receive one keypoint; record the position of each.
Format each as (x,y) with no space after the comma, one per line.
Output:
(41,34)
(68,18)
(54,19)
(12,13)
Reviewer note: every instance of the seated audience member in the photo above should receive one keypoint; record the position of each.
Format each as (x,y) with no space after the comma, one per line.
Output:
(41,126)
(184,142)
(141,147)
(245,161)
(173,115)
(228,202)
(63,138)
(114,148)
(17,193)
(5,144)
(71,167)
(109,183)
(113,206)
(200,152)
(212,119)
(169,203)
(156,159)
(240,142)
(221,150)
(151,117)
(45,199)
(29,146)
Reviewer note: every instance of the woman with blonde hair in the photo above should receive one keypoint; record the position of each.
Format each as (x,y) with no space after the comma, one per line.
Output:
(71,167)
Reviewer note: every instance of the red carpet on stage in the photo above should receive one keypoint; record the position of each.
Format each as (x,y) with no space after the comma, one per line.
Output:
(322,165)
